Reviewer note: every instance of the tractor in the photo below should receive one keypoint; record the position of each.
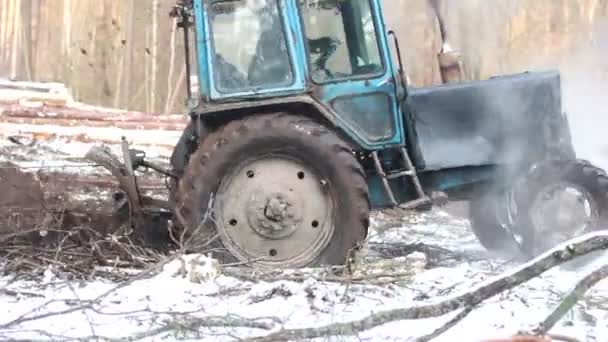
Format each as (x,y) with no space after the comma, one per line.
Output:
(302,122)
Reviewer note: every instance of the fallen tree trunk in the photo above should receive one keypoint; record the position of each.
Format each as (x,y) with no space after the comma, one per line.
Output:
(74,180)
(28,197)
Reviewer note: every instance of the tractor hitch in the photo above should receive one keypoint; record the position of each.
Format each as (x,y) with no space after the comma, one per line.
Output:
(144,215)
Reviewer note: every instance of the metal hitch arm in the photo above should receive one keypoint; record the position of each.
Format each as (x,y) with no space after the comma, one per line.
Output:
(139,206)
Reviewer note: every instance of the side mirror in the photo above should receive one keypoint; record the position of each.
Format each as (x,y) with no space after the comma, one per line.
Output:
(401,70)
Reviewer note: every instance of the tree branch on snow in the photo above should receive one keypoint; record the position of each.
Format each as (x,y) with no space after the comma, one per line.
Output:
(447,326)
(561,254)
(436,255)
(194,324)
(571,299)
(560,338)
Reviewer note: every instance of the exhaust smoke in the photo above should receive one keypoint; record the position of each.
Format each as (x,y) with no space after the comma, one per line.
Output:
(585,89)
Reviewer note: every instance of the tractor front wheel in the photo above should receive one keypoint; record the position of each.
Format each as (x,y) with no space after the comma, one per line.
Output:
(275,190)
(560,200)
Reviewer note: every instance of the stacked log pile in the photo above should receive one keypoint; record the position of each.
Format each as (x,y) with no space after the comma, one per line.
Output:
(46,111)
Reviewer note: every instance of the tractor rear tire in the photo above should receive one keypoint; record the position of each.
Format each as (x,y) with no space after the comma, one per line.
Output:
(545,178)
(488,219)
(274,190)
(184,148)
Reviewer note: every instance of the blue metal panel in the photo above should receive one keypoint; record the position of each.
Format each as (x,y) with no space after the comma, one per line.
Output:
(202,40)
(295,26)
(353,88)
(444,180)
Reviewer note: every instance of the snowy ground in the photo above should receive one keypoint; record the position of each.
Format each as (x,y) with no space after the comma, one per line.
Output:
(165,304)
(147,304)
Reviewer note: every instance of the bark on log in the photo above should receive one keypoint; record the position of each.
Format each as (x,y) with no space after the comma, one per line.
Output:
(75,180)
(28,197)
(21,203)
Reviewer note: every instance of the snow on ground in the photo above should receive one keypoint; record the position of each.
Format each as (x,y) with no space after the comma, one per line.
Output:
(144,305)
(100,307)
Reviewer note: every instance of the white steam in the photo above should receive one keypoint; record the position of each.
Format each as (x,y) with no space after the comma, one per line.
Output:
(585,89)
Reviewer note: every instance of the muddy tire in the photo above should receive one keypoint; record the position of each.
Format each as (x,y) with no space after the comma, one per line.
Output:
(184,148)
(542,224)
(488,219)
(279,189)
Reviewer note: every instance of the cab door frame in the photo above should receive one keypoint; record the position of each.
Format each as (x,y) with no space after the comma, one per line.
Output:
(205,53)
(353,87)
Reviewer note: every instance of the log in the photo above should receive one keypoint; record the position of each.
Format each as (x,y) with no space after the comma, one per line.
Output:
(30,198)
(151,124)
(76,181)
(162,141)
(22,200)
(81,113)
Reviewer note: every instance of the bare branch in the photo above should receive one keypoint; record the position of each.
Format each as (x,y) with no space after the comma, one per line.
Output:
(447,326)
(193,324)
(561,338)
(571,299)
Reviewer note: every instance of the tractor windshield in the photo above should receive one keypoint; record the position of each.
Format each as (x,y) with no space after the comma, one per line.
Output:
(250,51)
(342,39)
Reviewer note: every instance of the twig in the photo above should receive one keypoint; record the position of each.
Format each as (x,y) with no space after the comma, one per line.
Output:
(194,324)
(255,276)
(77,251)
(85,304)
(84,311)
(447,326)
(20,293)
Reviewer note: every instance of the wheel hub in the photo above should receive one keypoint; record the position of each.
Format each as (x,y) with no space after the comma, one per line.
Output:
(562,212)
(275,216)
(275,210)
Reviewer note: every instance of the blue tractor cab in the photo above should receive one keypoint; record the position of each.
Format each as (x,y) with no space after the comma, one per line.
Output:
(339,59)
(302,123)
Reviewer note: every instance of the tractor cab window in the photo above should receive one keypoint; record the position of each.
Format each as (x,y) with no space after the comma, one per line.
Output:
(249,47)
(342,39)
